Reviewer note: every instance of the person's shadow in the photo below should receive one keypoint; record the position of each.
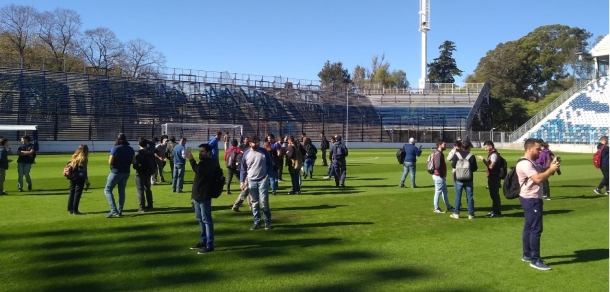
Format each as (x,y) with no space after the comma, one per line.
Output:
(580,256)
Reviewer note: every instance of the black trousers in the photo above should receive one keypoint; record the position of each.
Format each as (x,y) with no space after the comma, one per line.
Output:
(494,193)
(604,182)
(231,173)
(143,191)
(324,162)
(532,227)
(76,192)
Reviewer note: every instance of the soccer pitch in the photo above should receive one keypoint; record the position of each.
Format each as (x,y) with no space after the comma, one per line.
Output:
(369,236)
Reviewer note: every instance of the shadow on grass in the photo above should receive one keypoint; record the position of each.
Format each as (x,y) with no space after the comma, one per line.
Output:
(369,280)
(330,190)
(266,248)
(586,197)
(581,256)
(299,208)
(549,212)
(367,178)
(322,224)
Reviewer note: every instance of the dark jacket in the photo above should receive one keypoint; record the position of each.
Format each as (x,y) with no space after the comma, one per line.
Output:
(3,158)
(440,166)
(411,152)
(604,154)
(473,162)
(204,176)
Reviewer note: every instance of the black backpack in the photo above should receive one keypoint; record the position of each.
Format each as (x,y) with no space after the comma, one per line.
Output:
(311,151)
(502,171)
(400,154)
(511,186)
(218,183)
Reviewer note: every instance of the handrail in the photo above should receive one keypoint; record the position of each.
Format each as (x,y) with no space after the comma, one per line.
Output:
(578,85)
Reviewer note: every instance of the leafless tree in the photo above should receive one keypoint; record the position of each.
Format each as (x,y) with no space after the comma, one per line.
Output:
(101,49)
(59,31)
(141,59)
(19,23)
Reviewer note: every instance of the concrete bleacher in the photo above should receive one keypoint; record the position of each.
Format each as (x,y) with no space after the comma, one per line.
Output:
(583,118)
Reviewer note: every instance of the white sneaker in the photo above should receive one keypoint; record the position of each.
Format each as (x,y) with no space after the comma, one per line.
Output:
(597,191)
(471,217)
(438,210)
(326,177)
(454,216)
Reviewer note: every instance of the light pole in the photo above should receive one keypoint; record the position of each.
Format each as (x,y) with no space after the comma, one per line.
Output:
(346,114)
(492,135)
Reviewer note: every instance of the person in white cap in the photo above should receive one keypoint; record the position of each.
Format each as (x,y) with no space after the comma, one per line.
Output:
(411,154)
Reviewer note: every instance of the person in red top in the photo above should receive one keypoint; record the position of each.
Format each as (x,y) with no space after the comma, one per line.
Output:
(439,175)
(230,170)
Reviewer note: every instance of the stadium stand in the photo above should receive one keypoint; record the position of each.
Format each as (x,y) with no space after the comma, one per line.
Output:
(583,118)
(73,106)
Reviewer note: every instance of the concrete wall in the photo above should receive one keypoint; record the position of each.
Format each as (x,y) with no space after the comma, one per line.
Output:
(105,146)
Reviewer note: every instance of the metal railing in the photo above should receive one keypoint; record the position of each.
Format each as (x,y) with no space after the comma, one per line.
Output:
(578,85)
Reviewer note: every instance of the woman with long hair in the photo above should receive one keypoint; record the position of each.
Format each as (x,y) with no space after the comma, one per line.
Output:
(296,162)
(79,161)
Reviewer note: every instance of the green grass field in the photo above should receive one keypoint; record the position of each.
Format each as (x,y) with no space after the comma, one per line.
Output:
(369,236)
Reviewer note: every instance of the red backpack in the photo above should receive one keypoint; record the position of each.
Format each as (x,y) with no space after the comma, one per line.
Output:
(597,157)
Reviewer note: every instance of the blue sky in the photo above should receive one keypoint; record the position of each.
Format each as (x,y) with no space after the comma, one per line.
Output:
(295,38)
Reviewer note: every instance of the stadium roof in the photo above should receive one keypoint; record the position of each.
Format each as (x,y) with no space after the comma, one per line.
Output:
(18,127)
(602,48)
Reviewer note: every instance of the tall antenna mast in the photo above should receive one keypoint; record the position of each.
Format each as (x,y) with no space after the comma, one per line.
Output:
(424,27)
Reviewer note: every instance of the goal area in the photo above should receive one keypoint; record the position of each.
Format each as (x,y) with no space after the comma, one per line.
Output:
(200,132)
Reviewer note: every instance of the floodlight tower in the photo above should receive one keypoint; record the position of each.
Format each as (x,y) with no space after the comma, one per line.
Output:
(424,27)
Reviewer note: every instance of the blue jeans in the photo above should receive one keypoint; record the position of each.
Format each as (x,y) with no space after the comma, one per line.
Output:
(459,185)
(24,169)
(259,193)
(308,166)
(114,179)
(178,177)
(440,187)
(273,181)
(203,213)
(409,167)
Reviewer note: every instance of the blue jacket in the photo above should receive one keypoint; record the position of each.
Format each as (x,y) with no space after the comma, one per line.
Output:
(214,144)
(604,154)
(411,152)
(179,154)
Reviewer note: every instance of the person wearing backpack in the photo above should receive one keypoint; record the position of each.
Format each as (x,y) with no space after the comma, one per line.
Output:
(492,169)
(145,166)
(201,195)
(79,162)
(438,170)
(411,154)
(230,161)
(339,153)
(604,165)
(530,178)
(330,172)
(310,158)
(544,160)
(465,165)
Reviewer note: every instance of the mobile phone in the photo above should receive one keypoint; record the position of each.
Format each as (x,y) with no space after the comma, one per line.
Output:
(558,158)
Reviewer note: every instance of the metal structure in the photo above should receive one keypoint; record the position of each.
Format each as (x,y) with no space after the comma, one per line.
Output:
(75,106)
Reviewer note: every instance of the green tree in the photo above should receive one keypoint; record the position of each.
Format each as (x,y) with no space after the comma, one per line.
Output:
(444,68)
(534,65)
(359,76)
(383,77)
(399,79)
(334,77)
